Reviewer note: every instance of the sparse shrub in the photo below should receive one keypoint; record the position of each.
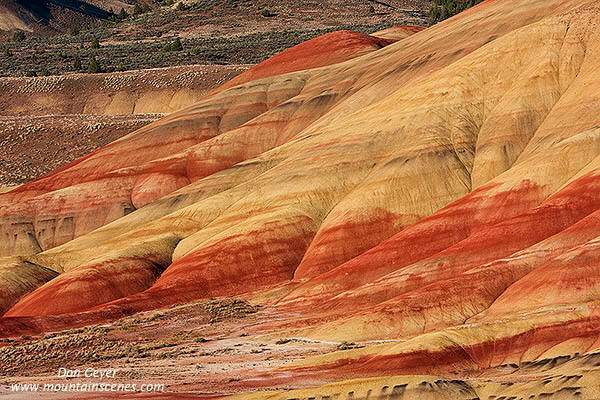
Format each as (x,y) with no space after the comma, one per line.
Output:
(162,345)
(348,346)
(74,31)
(180,6)
(93,66)
(123,14)
(95,44)
(434,13)
(45,72)
(7,52)
(18,36)
(77,62)
(266,13)
(137,10)
(200,340)
(175,45)
(283,341)
(371,10)
(445,14)
(156,316)
(443,9)
(31,74)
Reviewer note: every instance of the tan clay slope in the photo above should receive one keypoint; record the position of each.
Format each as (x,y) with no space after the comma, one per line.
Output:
(5,189)
(102,187)
(410,194)
(301,102)
(10,21)
(398,32)
(228,117)
(552,378)
(161,90)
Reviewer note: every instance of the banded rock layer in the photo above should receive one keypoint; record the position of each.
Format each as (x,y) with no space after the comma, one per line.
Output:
(440,193)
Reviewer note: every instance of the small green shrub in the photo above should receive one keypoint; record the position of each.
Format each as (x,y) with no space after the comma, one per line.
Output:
(444,9)
(94,67)
(18,36)
(123,14)
(175,45)
(348,346)
(77,62)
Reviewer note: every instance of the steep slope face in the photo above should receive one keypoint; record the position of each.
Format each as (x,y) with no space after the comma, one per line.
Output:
(47,15)
(444,197)
(9,20)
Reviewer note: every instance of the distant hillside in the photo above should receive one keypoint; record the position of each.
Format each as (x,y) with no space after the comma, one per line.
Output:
(60,39)
(47,16)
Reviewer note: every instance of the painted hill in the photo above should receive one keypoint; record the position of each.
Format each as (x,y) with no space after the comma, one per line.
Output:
(331,48)
(439,194)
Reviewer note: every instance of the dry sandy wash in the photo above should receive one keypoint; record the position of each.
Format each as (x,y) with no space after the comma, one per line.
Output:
(435,200)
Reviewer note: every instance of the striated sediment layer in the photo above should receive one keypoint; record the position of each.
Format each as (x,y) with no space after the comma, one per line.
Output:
(435,200)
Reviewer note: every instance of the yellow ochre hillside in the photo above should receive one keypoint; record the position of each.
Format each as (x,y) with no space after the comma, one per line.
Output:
(430,198)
